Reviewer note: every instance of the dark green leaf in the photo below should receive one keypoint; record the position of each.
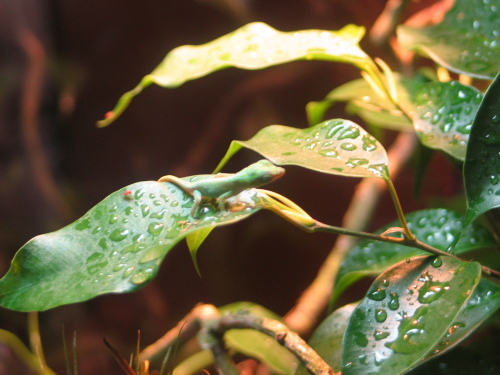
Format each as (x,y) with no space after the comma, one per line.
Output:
(435,227)
(335,146)
(482,164)
(484,302)
(442,114)
(467,41)
(116,247)
(406,312)
(253,46)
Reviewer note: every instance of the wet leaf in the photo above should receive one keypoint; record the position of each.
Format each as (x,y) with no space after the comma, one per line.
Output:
(407,310)
(253,46)
(467,41)
(485,301)
(327,338)
(116,247)
(335,146)
(442,114)
(257,344)
(435,227)
(482,164)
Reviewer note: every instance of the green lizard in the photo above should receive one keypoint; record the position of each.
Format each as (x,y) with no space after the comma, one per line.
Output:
(225,185)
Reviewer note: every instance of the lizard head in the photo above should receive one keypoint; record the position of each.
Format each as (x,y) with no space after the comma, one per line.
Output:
(263,172)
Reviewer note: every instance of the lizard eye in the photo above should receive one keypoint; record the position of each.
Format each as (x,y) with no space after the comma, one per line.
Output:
(265,177)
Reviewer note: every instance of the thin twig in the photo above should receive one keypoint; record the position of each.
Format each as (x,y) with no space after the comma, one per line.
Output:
(186,329)
(287,338)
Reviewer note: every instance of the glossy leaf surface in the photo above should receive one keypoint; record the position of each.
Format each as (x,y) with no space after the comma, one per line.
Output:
(467,41)
(484,302)
(257,344)
(405,313)
(115,247)
(253,46)
(482,164)
(335,146)
(442,114)
(435,227)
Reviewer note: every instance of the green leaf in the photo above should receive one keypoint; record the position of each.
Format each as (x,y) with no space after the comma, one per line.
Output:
(337,146)
(466,41)
(257,344)
(482,164)
(407,310)
(442,114)
(116,247)
(485,301)
(365,102)
(327,338)
(194,241)
(253,46)
(435,227)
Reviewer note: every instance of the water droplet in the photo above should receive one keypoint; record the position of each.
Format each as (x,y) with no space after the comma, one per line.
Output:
(174,203)
(83,224)
(118,234)
(494,180)
(411,333)
(355,162)
(331,153)
(351,132)
(113,219)
(436,263)
(290,153)
(348,146)
(431,290)
(380,315)
(360,339)
(155,228)
(128,210)
(142,275)
(103,244)
(139,193)
(128,272)
(369,143)
(393,301)
(359,314)
(145,210)
(119,267)
(311,145)
(377,294)
(379,358)
(363,359)
(380,335)
(153,254)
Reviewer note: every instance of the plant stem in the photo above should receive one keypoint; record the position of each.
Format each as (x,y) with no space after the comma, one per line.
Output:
(313,301)
(399,209)
(36,342)
(289,339)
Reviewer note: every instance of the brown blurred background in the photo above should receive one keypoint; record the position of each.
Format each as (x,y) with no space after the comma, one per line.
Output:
(63,65)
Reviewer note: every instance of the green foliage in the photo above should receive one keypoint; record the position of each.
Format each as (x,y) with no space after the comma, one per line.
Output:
(436,227)
(116,247)
(405,314)
(466,42)
(253,46)
(482,166)
(335,146)
(419,306)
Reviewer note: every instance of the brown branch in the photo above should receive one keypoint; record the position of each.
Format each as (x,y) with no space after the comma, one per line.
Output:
(287,338)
